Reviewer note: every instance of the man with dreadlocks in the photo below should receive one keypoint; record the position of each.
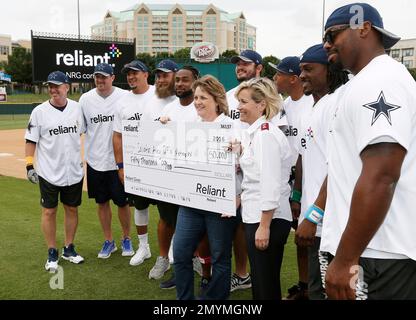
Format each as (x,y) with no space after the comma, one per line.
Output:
(324,82)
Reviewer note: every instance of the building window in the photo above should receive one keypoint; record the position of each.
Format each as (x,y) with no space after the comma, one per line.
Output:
(395,53)
(408,64)
(4,50)
(407,52)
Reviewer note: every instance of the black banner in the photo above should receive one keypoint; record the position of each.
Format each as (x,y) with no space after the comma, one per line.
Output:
(77,58)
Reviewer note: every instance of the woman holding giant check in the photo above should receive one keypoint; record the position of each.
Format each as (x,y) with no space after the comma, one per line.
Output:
(265,164)
(211,106)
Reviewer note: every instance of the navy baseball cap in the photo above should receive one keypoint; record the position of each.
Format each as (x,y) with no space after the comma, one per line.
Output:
(57,77)
(167,66)
(248,56)
(288,65)
(349,14)
(104,68)
(136,65)
(315,54)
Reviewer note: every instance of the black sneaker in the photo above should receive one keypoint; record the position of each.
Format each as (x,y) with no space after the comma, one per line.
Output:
(71,255)
(239,283)
(297,293)
(168,284)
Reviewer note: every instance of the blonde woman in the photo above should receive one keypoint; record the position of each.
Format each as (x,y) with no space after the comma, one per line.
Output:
(211,106)
(265,162)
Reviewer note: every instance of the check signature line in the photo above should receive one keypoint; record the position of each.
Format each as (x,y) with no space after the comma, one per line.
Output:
(186,168)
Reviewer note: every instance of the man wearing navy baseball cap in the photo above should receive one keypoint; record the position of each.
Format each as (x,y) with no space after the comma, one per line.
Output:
(369,215)
(295,106)
(54,134)
(98,106)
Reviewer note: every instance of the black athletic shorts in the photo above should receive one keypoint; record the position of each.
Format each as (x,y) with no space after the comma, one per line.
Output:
(104,186)
(168,212)
(69,195)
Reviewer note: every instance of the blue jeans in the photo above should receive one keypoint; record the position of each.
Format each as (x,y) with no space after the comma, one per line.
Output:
(191,226)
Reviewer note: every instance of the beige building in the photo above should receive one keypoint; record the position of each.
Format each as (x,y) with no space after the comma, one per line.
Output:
(5,47)
(170,27)
(405,52)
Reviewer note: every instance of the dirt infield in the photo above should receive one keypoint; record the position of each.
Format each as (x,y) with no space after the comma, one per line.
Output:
(12,154)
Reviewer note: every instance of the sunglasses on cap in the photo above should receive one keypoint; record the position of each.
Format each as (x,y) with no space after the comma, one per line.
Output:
(331,34)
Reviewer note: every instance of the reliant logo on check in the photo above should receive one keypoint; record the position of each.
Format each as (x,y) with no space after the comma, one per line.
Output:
(211,191)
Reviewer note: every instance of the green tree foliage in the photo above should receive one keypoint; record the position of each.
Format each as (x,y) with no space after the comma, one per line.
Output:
(227,54)
(268,71)
(184,53)
(20,66)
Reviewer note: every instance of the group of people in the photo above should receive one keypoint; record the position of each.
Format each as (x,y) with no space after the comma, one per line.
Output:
(334,161)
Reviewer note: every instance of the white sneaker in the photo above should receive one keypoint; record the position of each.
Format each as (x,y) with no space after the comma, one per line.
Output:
(142,254)
(51,266)
(161,266)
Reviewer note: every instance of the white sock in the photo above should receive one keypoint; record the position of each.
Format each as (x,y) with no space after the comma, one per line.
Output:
(143,239)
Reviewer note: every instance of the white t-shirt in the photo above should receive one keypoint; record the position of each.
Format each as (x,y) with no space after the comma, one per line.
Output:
(265,165)
(156,105)
(132,107)
(179,113)
(99,116)
(378,104)
(58,142)
(295,111)
(313,148)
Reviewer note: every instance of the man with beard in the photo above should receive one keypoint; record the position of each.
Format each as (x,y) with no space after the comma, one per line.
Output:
(323,82)
(132,106)
(369,216)
(164,94)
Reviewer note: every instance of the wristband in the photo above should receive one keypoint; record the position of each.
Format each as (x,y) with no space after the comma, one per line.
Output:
(29,160)
(29,167)
(120,165)
(295,196)
(314,214)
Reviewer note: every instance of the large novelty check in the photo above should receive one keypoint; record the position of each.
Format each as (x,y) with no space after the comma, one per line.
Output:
(182,163)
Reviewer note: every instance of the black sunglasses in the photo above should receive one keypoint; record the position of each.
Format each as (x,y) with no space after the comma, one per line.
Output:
(331,34)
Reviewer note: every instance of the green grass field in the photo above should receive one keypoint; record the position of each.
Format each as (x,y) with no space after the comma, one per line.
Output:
(23,254)
(13,121)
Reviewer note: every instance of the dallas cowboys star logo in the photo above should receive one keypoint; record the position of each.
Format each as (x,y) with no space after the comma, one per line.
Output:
(381,107)
(30,126)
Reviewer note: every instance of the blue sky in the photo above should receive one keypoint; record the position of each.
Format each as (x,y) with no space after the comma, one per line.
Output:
(284,27)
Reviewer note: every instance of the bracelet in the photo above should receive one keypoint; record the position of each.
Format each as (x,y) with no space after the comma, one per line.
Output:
(29,160)
(120,165)
(295,196)
(314,214)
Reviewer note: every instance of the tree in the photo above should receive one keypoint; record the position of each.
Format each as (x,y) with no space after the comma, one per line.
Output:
(268,71)
(227,54)
(184,53)
(20,66)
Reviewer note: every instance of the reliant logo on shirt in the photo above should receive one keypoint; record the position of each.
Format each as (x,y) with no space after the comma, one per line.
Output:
(131,128)
(63,130)
(137,116)
(101,118)
(209,190)
(235,114)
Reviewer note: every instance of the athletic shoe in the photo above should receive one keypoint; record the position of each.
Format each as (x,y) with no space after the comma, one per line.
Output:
(108,248)
(203,286)
(126,248)
(197,265)
(161,266)
(52,262)
(141,254)
(168,284)
(239,283)
(71,255)
(297,293)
